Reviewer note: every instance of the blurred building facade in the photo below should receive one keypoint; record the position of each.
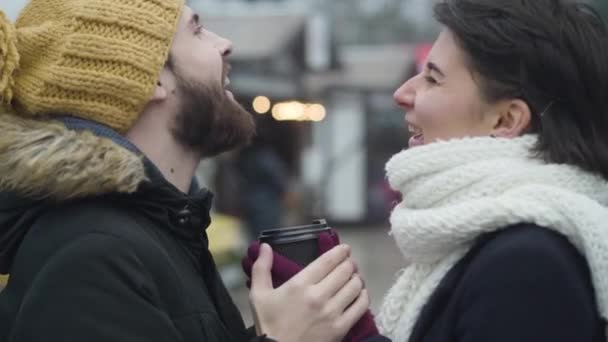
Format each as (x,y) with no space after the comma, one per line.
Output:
(343,57)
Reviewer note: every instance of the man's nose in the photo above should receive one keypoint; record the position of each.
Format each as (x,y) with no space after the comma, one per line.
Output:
(225,46)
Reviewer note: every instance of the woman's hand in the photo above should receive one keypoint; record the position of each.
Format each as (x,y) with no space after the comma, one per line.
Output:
(320,303)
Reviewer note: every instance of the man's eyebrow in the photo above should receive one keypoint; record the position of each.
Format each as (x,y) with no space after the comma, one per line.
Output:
(433,67)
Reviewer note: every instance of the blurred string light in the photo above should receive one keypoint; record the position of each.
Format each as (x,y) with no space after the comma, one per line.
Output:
(261,104)
(317,112)
(297,111)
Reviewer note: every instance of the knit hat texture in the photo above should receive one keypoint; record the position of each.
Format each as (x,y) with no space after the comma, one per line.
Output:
(94,59)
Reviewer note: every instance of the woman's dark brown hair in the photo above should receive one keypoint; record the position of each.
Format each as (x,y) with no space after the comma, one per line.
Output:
(553,54)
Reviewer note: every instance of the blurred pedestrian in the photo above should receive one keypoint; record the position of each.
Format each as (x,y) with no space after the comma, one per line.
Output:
(265,182)
(113,104)
(504,217)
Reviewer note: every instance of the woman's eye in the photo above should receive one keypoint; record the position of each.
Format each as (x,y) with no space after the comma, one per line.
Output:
(430,79)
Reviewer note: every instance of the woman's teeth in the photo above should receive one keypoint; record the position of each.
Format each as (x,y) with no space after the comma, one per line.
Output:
(414,130)
(416,136)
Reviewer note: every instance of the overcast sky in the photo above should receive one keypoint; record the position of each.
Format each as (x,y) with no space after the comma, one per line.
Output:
(12,7)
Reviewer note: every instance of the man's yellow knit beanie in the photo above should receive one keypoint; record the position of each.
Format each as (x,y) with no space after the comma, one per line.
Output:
(95,59)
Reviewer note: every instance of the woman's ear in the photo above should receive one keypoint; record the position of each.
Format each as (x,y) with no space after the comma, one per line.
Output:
(513,120)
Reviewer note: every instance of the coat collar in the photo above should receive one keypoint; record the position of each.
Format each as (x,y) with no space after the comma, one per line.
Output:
(69,158)
(186,215)
(43,159)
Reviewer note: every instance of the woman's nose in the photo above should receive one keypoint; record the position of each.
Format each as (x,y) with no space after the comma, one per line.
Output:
(406,94)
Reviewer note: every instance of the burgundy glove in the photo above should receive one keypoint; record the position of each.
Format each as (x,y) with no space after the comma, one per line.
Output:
(283,269)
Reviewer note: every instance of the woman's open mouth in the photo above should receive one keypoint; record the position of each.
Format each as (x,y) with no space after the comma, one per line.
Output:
(416,136)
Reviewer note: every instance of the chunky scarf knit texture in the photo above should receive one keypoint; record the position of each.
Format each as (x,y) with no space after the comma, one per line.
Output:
(455,191)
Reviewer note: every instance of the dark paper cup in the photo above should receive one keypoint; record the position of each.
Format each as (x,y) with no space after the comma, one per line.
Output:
(299,244)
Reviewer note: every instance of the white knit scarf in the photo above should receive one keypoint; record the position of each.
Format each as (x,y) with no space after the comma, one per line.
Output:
(457,190)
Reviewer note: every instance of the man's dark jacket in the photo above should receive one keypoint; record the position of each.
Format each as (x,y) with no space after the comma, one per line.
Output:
(110,251)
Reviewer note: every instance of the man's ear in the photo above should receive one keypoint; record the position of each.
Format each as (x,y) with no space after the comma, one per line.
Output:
(160,93)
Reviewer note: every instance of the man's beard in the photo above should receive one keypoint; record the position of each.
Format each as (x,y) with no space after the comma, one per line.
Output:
(209,122)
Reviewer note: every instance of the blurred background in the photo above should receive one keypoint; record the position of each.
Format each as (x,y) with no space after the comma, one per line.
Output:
(319,78)
(318,75)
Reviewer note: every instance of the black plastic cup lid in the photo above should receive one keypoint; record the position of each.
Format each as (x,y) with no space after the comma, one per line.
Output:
(294,234)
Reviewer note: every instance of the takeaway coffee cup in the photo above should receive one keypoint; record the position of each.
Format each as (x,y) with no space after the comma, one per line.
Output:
(299,244)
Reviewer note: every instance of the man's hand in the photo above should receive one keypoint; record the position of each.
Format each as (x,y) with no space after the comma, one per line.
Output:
(320,303)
